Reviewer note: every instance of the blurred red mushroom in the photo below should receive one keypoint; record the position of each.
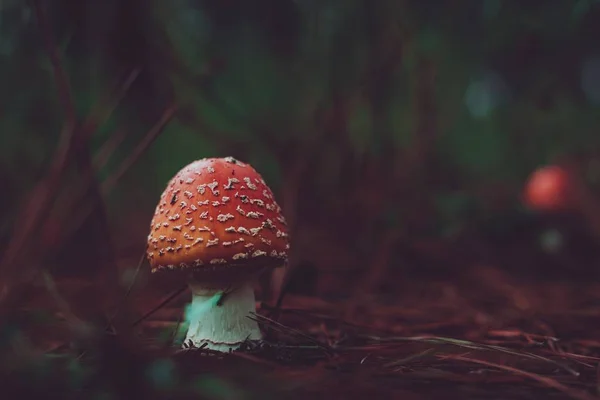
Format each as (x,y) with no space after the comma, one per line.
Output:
(549,188)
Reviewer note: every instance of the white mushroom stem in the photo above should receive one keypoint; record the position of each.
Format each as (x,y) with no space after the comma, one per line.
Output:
(222,327)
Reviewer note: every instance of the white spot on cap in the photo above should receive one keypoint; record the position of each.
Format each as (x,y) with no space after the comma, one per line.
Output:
(230,182)
(212,242)
(249,183)
(224,217)
(243,198)
(213,187)
(268,224)
(232,160)
(173,217)
(254,214)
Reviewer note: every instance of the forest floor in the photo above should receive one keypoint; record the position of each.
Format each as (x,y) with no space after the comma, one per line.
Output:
(429,340)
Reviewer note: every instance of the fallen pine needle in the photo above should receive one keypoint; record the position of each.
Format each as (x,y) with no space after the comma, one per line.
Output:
(549,382)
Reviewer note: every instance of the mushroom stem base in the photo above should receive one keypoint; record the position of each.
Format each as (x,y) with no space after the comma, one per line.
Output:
(221,327)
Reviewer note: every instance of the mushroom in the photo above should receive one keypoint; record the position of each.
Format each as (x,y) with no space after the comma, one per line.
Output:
(218,224)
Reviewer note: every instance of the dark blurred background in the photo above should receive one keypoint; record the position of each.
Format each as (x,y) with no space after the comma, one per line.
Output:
(438,163)
(397,135)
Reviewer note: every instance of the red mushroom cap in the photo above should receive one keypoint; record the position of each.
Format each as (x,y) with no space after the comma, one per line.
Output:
(217,213)
(549,189)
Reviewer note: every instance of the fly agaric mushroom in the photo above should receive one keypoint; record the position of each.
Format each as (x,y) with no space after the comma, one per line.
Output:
(218,224)
(549,188)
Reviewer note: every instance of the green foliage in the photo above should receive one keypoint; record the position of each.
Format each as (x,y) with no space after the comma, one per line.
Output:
(267,163)
(236,86)
(480,147)
(176,147)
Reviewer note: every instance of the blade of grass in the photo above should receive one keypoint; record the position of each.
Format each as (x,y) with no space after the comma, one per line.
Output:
(43,194)
(412,357)
(160,305)
(139,150)
(129,289)
(262,318)
(83,212)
